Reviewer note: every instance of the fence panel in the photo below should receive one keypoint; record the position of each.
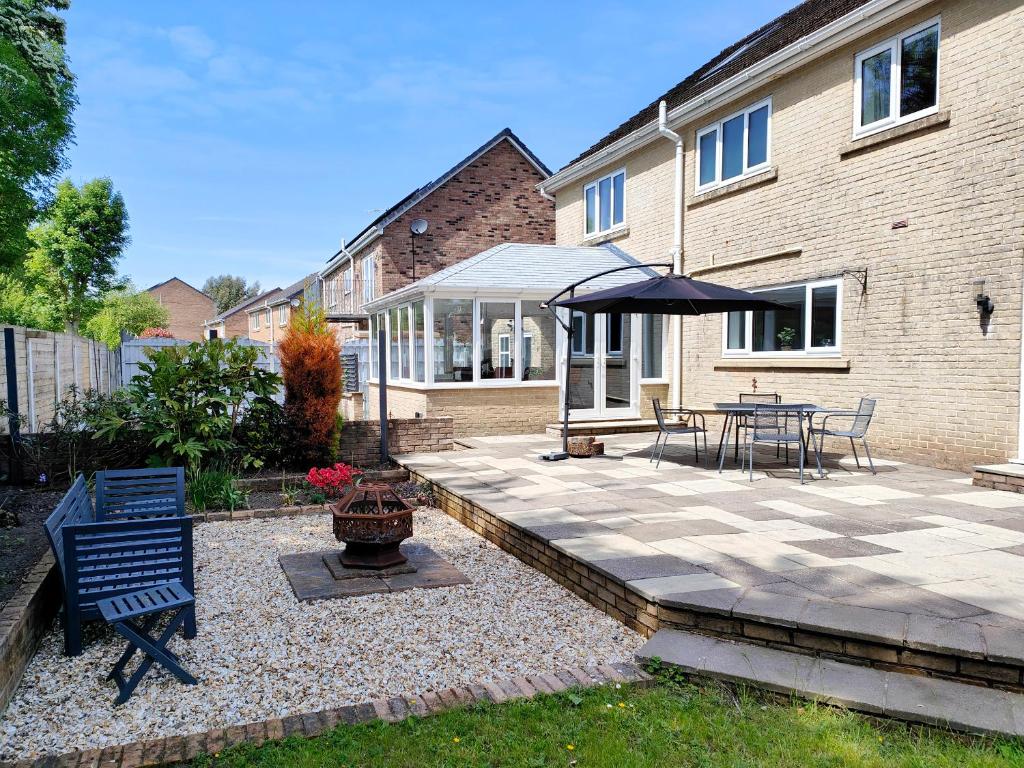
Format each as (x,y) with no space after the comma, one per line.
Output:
(39,368)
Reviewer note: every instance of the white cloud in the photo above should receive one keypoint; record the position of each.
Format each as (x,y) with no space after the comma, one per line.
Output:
(191,42)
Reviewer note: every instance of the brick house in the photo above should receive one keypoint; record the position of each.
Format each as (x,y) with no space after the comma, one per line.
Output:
(861,162)
(269,317)
(489,197)
(234,322)
(188,307)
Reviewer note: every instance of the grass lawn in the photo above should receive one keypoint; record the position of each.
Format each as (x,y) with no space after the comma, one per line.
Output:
(669,725)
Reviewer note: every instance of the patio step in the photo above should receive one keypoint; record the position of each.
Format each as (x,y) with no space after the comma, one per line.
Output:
(1000,477)
(596,428)
(929,700)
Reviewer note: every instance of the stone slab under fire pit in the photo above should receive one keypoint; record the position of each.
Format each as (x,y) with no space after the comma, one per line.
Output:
(312,579)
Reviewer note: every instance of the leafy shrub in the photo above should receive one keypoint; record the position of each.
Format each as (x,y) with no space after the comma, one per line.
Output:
(214,489)
(311,365)
(68,443)
(332,481)
(261,432)
(187,402)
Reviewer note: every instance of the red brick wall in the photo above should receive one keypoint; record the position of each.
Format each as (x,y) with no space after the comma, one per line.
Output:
(188,307)
(491,201)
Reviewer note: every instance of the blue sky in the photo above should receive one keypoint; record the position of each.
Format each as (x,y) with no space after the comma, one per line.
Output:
(250,137)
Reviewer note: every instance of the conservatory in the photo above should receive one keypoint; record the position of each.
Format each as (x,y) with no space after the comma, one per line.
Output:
(475,342)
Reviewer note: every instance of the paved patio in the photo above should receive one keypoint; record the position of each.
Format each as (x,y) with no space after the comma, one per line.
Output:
(914,540)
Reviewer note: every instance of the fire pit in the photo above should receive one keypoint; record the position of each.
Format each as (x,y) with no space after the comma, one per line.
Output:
(372,521)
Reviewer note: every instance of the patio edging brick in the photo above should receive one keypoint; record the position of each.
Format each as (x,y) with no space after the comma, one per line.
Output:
(814,629)
(174,749)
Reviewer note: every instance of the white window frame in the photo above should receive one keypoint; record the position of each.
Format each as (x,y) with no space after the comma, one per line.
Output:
(579,340)
(282,315)
(748,171)
(664,350)
(808,351)
(595,185)
(270,317)
(895,48)
(504,350)
(369,269)
(255,322)
(348,280)
(608,334)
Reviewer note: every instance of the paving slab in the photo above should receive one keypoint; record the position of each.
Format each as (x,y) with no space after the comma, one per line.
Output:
(928,700)
(652,589)
(631,568)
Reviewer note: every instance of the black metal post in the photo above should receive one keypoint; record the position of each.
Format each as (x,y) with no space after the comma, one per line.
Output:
(568,380)
(13,421)
(382,377)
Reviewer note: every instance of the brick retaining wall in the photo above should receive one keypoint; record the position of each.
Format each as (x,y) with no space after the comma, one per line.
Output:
(360,440)
(24,621)
(852,645)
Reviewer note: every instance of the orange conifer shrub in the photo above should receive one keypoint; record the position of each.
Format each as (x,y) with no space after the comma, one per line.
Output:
(311,369)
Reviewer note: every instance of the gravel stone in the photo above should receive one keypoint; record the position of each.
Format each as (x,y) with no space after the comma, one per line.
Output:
(261,654)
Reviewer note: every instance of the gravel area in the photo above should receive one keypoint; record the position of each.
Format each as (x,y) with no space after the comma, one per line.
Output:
(261,654)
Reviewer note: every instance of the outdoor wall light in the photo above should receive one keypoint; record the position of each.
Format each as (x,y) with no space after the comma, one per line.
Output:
(985,305)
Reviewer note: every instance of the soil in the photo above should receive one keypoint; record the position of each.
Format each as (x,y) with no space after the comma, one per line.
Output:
(22,545)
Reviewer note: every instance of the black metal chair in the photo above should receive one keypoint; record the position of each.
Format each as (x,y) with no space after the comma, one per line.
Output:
(857,430)
(687,427)
(742,421)
(772,424)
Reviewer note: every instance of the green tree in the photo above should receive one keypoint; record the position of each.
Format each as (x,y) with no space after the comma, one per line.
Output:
(76,248)
(37,97)
(19,305)
(228,290)
(125,310)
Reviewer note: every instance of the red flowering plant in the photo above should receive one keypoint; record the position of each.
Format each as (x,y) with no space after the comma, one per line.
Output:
(331,482)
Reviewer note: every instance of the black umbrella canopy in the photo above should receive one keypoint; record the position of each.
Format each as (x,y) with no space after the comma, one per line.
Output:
(669,295)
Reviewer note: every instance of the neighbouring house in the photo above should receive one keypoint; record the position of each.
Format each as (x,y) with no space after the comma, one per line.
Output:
(473,342)
(269,317)
(234,322)
(487,198)
(862,163)
(188,307)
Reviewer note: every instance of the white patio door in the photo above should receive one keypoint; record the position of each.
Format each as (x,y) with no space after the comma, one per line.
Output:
(605,373)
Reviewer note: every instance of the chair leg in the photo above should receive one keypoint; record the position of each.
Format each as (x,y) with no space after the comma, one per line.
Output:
(856,458)
(72,634)
(663,444)
(705,449)
(190,622)
(736,446)
(696,452)
(654,450)
(817,452)
(868,452)
(750,450)
(803,456)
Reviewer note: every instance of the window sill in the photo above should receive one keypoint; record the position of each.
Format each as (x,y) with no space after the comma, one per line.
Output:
(783,363)
(939,120)
(606,237)
(764,177)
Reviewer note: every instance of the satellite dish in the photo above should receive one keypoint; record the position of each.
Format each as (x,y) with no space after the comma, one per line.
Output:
(418,226)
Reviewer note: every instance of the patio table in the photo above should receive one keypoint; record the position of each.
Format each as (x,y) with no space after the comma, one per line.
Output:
(732,410)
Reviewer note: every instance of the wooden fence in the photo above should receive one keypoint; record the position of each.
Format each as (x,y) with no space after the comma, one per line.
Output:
(38,368)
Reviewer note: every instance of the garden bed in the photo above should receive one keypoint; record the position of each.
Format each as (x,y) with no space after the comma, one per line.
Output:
(23,544)
(262,654)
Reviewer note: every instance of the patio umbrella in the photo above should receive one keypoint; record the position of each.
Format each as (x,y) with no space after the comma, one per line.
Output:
(670,294)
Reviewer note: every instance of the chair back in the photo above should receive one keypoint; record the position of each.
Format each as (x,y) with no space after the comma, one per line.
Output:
(73,509)
(862,420)
(770,422)
(125,494)
(658,413)
(768,398)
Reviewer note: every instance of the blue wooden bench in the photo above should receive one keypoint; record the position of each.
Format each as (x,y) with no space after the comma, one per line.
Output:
(129,493)
(101,559)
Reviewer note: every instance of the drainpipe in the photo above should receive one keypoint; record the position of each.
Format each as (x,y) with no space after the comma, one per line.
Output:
(545,194)
(676,385)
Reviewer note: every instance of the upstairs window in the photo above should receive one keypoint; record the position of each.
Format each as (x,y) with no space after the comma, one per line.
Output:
(348,281)
(734,147)
(604,203)
(369,279)
(255,321)
(282,316)
(898,80)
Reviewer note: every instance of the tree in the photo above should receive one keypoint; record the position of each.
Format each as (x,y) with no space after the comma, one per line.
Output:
(76,248)
(311,369)
(125,310)
(228,290)
(37,98)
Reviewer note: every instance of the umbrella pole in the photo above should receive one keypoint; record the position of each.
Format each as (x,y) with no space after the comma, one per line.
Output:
(564,453)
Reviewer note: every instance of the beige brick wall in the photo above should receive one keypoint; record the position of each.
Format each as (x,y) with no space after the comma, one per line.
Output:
(948,385)
(189,308)
(272,333)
